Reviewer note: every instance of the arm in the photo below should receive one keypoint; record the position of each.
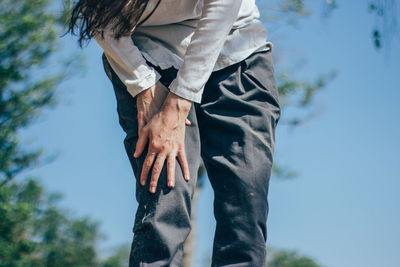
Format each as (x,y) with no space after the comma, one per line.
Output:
(165,132)
(130,66)
(128,63)
(207,41)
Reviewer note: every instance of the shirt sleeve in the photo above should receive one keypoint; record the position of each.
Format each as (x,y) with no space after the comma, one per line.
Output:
(128,63)
(215,23)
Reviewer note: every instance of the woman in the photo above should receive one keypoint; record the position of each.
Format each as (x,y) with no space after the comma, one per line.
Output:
(193,79)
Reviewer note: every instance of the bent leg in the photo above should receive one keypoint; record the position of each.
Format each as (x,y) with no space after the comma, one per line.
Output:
(162,221)
(237,119)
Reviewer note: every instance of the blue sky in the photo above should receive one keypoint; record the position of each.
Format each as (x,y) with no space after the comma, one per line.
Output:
(342,209)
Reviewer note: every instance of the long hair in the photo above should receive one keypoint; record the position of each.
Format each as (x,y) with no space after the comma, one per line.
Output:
(90,17)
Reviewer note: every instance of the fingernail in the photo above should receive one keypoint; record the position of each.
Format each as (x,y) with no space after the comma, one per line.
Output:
(187,178)
(153,189)
(170,183)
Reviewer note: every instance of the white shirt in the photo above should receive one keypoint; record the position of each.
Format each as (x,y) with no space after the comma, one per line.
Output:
(196,37)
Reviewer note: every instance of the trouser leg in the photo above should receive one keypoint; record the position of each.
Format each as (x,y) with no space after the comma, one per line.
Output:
(237,119)
(162,221)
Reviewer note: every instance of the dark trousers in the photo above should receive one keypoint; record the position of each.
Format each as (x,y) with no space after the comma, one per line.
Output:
(233,131)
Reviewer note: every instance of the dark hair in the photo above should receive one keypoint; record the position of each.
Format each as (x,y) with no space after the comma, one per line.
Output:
(91,17)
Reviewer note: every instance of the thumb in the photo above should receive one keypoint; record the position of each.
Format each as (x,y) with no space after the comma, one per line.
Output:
(141,142)
(140,117)
(142,135)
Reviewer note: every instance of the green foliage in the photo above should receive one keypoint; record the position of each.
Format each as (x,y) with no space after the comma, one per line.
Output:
(285,258)
(283,11)
(296,7)
(295,93)
(29,36)
(34,231)
(119,257)
(16,211)
(284,172)
(386,13)
(300,93)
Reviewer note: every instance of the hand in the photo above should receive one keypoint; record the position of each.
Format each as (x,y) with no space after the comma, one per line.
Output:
(165,133)
(149,102)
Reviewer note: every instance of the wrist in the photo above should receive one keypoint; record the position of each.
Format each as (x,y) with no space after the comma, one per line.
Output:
(176,103)
(147,92)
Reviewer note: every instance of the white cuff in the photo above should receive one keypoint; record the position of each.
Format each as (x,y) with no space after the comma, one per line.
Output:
(185,92)
(135,87)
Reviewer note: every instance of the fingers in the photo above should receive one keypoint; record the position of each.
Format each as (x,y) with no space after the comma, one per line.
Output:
(155,175)
(171,160)
(164,146)
(158,166)
(148,162)
(184,164)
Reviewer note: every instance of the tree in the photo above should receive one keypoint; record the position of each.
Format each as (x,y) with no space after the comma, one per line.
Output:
(285,258)
(26,47)
(34,230)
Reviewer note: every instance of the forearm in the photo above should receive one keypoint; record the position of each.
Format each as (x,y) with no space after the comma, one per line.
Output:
(128,63)
(176,108)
